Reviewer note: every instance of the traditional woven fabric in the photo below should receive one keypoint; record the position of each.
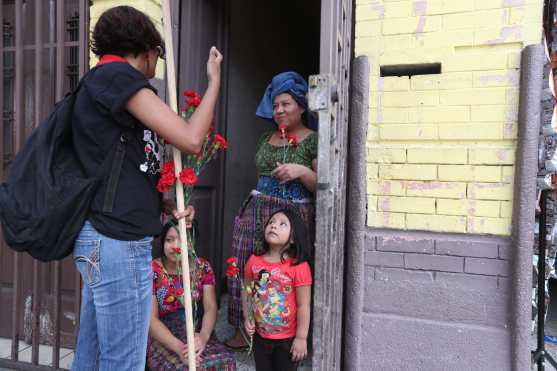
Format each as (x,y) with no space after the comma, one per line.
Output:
(215,357)
(248,237)
(267,155)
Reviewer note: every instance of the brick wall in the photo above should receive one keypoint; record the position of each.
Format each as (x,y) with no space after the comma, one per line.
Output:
(441,147)
(445,259)
(152,8)
(435,302)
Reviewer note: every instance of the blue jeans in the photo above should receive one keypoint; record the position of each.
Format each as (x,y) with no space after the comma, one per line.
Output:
(115,302)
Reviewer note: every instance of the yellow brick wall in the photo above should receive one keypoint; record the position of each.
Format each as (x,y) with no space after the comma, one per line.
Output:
(441,148)
(150,7)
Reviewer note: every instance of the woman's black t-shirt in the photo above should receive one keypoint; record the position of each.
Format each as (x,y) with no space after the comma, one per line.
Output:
(100,115)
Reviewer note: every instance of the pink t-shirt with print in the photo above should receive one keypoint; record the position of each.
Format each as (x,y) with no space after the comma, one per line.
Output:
(274,296)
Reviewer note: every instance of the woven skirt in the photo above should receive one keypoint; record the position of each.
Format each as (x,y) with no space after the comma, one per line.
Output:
(215,357)
(248,237)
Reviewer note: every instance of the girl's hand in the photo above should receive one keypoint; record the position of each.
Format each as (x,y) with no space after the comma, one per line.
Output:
(200,344)
(250,327)
(189,214)
(288,172)
(299,349)
(213,65)
(182,352)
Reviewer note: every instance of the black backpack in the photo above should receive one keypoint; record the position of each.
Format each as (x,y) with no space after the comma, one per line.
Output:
(47,195)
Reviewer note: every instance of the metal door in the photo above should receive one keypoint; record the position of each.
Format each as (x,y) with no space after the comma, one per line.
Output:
(42,55)
(329,97)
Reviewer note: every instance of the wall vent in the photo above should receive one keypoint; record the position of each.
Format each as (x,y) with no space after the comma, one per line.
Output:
(410,69)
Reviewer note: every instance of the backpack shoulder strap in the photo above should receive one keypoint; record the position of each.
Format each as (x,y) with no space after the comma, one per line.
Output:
(116,169)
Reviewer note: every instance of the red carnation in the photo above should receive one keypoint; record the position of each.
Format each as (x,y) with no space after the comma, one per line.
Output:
(194,102)
(232,260)
(232,271)
(166,181)
(188,177)
(292,139)
(168,167)
(190,93)
(179,291)
(220,141)
(177,250)
(282,128)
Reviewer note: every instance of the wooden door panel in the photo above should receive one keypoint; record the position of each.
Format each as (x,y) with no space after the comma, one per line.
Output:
(201,27)
(329,96)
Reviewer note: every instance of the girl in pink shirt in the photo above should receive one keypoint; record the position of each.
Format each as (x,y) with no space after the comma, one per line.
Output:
(281,298)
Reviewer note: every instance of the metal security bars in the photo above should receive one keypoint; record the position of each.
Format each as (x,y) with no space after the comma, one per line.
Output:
(43,53)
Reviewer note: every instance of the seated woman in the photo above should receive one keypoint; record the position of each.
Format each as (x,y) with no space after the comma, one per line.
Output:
(167,348)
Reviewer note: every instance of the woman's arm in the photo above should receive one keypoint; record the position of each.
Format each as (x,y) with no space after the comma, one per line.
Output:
(209,312)
(309,179)
(161,333)
(156,115)
(289,172)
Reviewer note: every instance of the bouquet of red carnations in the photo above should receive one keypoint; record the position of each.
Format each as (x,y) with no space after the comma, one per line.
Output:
(233,272)
(193,164)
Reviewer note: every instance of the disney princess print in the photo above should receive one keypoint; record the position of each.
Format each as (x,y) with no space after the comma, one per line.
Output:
(272,314)
(152,151)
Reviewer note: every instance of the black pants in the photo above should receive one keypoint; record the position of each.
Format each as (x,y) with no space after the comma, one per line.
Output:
(273,355)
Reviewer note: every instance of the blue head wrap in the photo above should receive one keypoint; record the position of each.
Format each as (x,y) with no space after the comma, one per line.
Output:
(287,82)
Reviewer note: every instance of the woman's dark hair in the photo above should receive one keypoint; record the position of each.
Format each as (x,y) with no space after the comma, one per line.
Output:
(124,30)
(300,248)
(158,245)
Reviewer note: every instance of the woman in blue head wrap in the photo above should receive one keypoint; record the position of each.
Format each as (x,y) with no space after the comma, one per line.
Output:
(286,161)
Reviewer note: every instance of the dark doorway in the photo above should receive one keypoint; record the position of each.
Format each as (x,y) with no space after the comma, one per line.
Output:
(258,39)
(264,39)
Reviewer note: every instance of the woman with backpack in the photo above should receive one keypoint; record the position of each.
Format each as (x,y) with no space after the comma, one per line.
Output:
(116,107)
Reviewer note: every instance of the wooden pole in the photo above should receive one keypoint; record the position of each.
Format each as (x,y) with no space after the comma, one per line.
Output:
(171,80)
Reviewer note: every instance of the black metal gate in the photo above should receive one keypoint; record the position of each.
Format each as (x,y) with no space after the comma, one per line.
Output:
(44,52)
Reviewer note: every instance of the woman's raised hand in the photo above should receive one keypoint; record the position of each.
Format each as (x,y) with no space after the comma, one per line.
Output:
(213,64)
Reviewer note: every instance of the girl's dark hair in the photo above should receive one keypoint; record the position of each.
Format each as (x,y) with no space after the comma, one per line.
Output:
(300,248)
(124,30)
(158,245)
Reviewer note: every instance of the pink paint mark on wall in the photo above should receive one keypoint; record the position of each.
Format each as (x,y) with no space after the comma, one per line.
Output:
(420,9)
(514,2)
(509,77)
(506,33)
(489,185)
(471,209)
(386,219)
(508,129)
(421,186)
(501,154)
(471,225)
(489,78)
(385,204)
(385,188)
(379,8)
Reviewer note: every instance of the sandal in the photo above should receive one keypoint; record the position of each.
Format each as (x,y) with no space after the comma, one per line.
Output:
(236,348)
